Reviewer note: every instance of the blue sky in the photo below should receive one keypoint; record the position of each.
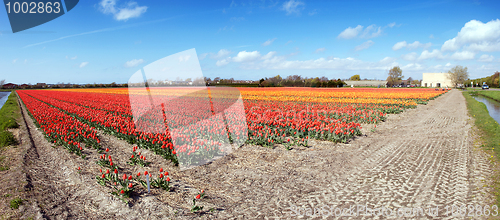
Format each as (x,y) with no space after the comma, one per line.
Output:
(108,41)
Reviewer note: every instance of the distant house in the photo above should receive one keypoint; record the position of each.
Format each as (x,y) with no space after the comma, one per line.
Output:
(24,86)
(436,80)
(377,83)
(9,86)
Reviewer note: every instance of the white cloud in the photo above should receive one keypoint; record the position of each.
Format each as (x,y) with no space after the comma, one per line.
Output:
(413,67)
(292,7)
(202,56)
(14,61)
(133,62)
(387,60)
(464,55)
(220,54)
(268,55)
(130,10)
(83,64)
(392,24)
(254,60)
(428,55)
(222,62)
(350,32)
(313,12)
(399,45)
(476,36)
(410,57)
(245,56)
(448,64)
(288,42)
(417,44)
(412,46)
(369,32)
(268,42)
(372,31)
(486,58)
(364,45)
(319,50)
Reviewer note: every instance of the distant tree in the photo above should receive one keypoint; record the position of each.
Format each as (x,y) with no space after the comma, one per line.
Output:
(395,76)
(415,82)
(495,79)
(355,78)
(409,80)
(458,75)
(2,82)
(216,79)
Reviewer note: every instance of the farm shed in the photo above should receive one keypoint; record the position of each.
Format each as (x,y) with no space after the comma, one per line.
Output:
(436,80)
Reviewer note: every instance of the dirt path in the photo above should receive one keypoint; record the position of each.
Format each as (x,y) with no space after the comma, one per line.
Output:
(424,157)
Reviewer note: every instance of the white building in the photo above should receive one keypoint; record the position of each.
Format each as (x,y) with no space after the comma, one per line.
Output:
(436,80)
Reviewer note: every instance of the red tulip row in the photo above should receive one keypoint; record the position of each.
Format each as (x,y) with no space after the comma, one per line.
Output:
(60,128)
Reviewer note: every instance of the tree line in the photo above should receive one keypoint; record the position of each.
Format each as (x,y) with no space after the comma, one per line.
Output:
(299,81)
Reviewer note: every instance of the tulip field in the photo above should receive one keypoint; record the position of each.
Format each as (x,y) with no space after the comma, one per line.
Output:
(189,125)
(70,117)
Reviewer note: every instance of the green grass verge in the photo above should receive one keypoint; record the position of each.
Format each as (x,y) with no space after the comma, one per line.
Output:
(490,132)
(490,94)
(8,114)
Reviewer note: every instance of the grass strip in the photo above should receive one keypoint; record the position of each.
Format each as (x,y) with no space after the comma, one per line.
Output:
(490,133)
(8,114)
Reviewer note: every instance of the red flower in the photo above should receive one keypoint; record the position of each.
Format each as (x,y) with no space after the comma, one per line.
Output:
(202,191)
(161,175)
(130,185)
(161,170)
(100,170)
(168,179)
(124,176)
(79,168)
(107,171)
(166,173)
(122,191)
(138,174)
(109,157)
(150,175)
(145,172)
(198,196)
(103,175)
(132,156)
(111,163)
(130,177)
(107,149)
(116,171)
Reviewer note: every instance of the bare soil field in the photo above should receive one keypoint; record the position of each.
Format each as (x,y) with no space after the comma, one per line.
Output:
(424,157)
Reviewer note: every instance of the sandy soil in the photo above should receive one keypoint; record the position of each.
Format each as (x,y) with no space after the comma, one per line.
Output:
(422,158)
